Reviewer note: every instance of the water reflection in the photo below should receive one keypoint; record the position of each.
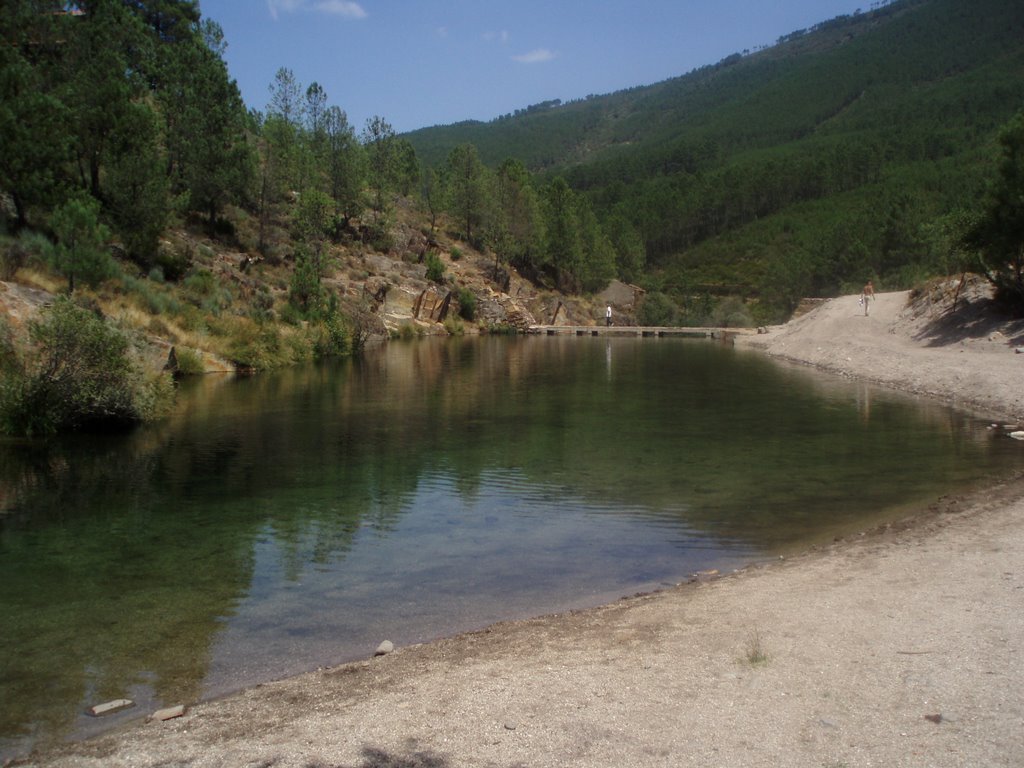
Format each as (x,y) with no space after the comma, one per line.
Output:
(283,521)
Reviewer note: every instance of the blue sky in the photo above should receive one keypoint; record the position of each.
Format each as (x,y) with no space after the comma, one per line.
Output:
(419,63)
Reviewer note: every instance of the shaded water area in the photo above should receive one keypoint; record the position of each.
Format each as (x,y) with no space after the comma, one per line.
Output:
(291,520)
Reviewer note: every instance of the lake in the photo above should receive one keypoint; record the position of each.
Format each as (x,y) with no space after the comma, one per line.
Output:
(295,519)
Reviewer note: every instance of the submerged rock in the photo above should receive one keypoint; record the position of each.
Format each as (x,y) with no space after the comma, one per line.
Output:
(109,707)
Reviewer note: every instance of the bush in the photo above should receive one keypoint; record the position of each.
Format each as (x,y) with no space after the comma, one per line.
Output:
(190,362)
(435,268)
(203,290)
(9,362)
(658,310)
(454,326)
(379,237)
(467,304)
(151,295)
(174,263)
(261,307)
(260,347)
(731,313)
(331,336)
(13,256)
(291,315)
(79,375)
(154,397)
(407,332)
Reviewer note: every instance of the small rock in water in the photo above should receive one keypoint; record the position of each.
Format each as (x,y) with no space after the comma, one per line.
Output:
(1017,435)
(109,707)
(384,648)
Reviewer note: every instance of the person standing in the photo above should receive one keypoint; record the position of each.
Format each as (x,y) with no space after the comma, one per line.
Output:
(608,316)
(867,296)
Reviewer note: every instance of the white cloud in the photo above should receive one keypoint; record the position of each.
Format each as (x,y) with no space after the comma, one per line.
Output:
(536,56)
(286,6)
(345,8)
(501,37)
(348,9)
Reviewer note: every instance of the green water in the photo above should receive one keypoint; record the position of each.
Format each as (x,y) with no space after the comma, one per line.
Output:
(296,519)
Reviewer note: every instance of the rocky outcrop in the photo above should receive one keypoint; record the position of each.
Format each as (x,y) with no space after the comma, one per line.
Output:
(20,303)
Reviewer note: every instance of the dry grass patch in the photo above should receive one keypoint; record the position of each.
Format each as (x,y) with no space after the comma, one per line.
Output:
(754,651)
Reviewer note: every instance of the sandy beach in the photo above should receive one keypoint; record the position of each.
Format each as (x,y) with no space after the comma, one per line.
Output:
(902,646)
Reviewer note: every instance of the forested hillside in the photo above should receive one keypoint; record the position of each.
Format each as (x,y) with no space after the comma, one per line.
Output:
(843,152)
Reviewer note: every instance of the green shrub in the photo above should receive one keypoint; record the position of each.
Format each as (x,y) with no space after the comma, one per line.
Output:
(173,262)
(203,290)
(408,332)
(262,306)
(454,326)
(331,337)
(467,304)
(291,314)
(379,237)
(154,397)
(658,310)
(200,283)
(79,375)
(263,350)
(435,268)
(9,360)
(190,362)
(13,256)
(29,248)
(456,253)
(731,312)
(153,296)
(190,319)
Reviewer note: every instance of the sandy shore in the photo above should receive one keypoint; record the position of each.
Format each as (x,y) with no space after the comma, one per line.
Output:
(900,647)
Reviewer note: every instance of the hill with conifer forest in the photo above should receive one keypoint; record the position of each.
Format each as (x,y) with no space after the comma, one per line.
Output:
(851,150)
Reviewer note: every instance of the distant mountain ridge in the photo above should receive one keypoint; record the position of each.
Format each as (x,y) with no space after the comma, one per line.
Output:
(864,134)
(577,129)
